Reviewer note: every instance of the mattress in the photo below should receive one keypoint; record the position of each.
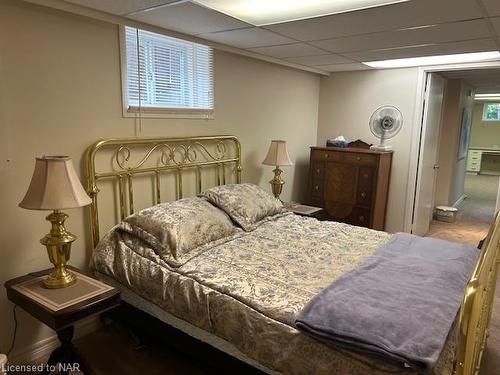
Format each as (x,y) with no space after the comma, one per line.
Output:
(249,289)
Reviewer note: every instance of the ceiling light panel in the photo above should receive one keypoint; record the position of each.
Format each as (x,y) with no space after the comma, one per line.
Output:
(479,45)
(389,18)
(492,95)
(344,67)
(268,12)
(188,18)
(435,60)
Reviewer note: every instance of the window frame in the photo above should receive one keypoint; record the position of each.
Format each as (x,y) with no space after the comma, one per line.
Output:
(157,112)
(485,106)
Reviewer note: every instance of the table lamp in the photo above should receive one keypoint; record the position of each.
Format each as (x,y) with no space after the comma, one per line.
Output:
(277,156)
(55,186)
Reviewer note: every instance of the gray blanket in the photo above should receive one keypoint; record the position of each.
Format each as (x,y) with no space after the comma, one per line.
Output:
(400,303)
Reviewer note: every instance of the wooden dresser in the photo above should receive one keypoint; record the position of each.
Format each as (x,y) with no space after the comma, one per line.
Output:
(351,184)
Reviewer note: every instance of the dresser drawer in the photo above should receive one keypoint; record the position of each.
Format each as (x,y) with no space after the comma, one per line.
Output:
(326,155)
(347,213)
(364,196)
(317,171)
(365,159)
(366,177)
(317,189)
(360,216)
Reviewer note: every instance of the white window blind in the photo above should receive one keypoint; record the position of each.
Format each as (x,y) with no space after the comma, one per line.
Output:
(172,73)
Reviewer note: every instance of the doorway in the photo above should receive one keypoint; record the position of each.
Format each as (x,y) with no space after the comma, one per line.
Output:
(459,153)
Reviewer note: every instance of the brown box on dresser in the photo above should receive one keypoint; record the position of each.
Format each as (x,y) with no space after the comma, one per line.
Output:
(351,184)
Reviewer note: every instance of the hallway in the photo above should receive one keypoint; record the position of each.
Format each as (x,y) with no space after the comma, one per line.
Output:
(475,213)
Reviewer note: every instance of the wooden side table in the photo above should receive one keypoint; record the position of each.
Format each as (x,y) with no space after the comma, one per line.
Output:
(60,309)
(304,210)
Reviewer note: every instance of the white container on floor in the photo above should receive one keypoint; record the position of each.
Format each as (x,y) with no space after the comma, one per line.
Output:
(445,213)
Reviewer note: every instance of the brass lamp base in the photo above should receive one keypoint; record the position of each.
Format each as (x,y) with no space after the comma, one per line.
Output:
(58,243)
(277,183)
(59,278)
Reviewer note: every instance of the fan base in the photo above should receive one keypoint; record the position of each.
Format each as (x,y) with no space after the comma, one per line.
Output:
(381,147)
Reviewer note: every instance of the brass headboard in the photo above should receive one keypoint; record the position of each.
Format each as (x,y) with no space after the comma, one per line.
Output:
(123,160)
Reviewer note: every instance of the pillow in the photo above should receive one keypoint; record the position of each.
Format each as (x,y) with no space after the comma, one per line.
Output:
(246,204)
(180,230)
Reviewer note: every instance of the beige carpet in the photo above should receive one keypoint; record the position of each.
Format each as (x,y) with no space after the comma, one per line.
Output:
(474,218)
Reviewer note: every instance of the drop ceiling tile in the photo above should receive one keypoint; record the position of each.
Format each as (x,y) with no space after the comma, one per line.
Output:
(188,18)
(480,45)
(475,29)
(289,50)
(387,18)
(120,7)
(496,24)
(320,60)
(247,38)
(492,7)
(344,67)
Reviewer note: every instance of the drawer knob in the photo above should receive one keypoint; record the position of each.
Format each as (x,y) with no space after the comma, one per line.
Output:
(326,156)
(358,158)
(362,219)
(363,194)
(316,187)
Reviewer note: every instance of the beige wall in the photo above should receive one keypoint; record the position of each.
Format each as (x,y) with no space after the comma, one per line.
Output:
(484,133)
(451,174)
(347,100)
(60,76)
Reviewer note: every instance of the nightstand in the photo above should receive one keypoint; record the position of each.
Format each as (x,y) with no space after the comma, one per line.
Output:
(60,309)
(304,210)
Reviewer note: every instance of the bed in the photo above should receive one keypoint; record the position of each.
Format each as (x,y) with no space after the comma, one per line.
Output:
(236,295)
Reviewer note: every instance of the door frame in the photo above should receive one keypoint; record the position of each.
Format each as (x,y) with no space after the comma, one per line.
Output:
(418,129)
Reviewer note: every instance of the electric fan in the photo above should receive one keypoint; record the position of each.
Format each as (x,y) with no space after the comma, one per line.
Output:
(385,123)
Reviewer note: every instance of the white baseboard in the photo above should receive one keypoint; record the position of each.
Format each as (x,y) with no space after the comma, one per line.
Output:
(43,348)
(460,200)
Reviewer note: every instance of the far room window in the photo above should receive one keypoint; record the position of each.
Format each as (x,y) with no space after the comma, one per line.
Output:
(166,77)
(491,112)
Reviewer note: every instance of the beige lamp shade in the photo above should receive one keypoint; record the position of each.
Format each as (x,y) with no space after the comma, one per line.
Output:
(54,186)
(277,154)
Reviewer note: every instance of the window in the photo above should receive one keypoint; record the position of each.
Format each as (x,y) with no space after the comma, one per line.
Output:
(166,77)
(491,112)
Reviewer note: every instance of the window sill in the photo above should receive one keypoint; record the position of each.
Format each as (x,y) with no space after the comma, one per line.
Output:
(173,113)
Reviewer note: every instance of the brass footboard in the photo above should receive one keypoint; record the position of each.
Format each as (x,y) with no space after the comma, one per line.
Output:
(475,313)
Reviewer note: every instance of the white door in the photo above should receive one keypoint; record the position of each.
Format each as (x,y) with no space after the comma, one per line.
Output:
(428,154)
